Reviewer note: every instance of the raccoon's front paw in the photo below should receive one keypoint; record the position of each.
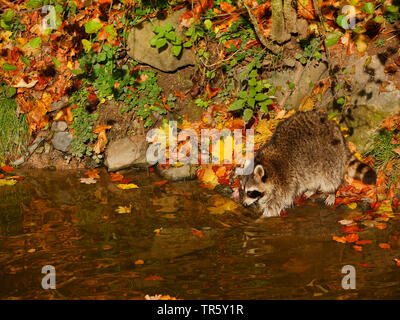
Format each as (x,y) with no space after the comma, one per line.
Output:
(330,200)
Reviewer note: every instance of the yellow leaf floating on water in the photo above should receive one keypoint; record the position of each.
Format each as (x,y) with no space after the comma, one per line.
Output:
(127,186)
(386,208)
(5,182)
(222,205)
(122,209)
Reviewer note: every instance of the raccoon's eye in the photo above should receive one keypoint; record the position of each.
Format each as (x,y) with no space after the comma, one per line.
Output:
(254,194)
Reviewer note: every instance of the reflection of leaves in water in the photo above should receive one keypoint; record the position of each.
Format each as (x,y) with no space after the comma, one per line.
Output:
(168,204)
(222,205)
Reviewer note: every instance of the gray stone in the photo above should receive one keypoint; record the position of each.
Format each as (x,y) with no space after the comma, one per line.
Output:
(140,49)
(313,73)
(126,152)
(185,172)
(58,105)
(62,140)
(59,126)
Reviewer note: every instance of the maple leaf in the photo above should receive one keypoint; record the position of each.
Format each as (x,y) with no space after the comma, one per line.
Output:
(116,176)
(94,173)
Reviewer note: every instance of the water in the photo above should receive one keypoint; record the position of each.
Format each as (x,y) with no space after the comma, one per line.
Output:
(177,241)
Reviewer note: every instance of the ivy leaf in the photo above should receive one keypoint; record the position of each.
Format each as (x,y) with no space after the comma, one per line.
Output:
(171,36)
(35,43)
(9,67)
(247,114)
(87,45)
(8,15)
(342,21)
(208,24)
(368,8)
(56,62)
(161,43)
(176,50)
(92,26)
(332,38)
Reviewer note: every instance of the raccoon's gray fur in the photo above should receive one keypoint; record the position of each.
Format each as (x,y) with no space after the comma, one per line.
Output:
(307,153)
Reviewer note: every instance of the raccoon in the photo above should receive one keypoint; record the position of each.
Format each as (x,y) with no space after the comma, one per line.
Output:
(306,154)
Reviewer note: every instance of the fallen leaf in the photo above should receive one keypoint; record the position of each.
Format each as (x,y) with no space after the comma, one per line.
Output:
(339,239)
(140,261)
(198,233)
(94,173)
(357,248)
(352,237)
(154,277)
(381,226)
(122,209)
(161,183)
(384,245)
(127,186)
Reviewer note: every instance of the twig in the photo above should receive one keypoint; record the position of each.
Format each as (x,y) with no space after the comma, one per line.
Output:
(274,49)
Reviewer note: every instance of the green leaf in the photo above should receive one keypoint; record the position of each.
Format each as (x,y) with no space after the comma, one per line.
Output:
(368,8)
(11,91)
(332,38)
(25,60)
(340,101)
(56,62)
(187,44)
(87,45)
(161,43)
(92,26)
(251,102)
(261,97)
(153,41)
(171,35)
(242,94)
(176,50)
(332,115)
(9,67)
(208,24)
(8,15)
(379,19)
(392,9)
(35,42)
(342,21)
(34,3)
(237,105)
(169,27)
(247,114)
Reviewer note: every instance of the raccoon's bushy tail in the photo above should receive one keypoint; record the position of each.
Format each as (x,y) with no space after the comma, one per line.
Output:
(360,171)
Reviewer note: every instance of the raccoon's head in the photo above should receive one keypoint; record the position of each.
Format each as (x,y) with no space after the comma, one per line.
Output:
(256,187)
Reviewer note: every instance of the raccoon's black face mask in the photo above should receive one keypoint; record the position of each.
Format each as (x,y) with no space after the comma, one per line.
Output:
(253,186)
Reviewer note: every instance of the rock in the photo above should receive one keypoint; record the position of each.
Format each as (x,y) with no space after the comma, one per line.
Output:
(368,105)
(58,105)
(140,49)
(185,172)
(59,126)
(18,161)
(314,72)
(126,152)
(38,140)
(62,140)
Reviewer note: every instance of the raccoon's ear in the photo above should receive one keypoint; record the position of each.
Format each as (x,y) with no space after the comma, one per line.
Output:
(259,173)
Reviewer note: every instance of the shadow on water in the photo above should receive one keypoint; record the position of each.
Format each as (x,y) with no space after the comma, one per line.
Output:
(172,243)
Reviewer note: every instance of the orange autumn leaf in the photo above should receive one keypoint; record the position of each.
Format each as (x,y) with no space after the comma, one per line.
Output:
(116,177)
(101,142)
(351,229)
(381,226)
(357,248)
(94,173)
(101,128)
(161,183)
(397,262)
(198,233)
(384,245)
(339,239)
(226,7)
(7,168)
(352,237)
(362,242)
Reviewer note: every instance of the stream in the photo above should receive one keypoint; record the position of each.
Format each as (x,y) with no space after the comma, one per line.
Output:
(180,239)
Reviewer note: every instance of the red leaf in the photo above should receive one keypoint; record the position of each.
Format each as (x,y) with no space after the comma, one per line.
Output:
(154,277)
(161,183)
(7,168)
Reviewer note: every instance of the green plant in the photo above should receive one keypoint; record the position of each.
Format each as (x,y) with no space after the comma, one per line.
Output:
(11,22)
(259,95)
(312,49)
(380,43)
(13,127)
(165,35)
(200,102)
(382,149)
(391,13)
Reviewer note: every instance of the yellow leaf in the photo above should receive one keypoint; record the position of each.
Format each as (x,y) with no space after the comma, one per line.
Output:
(209,177)
(352,205)
(127,186)
(4,182)
(122,209)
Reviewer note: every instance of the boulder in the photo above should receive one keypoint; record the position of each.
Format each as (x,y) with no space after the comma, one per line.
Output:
(139,47)
(62,140)
(126,152)
(185,172)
